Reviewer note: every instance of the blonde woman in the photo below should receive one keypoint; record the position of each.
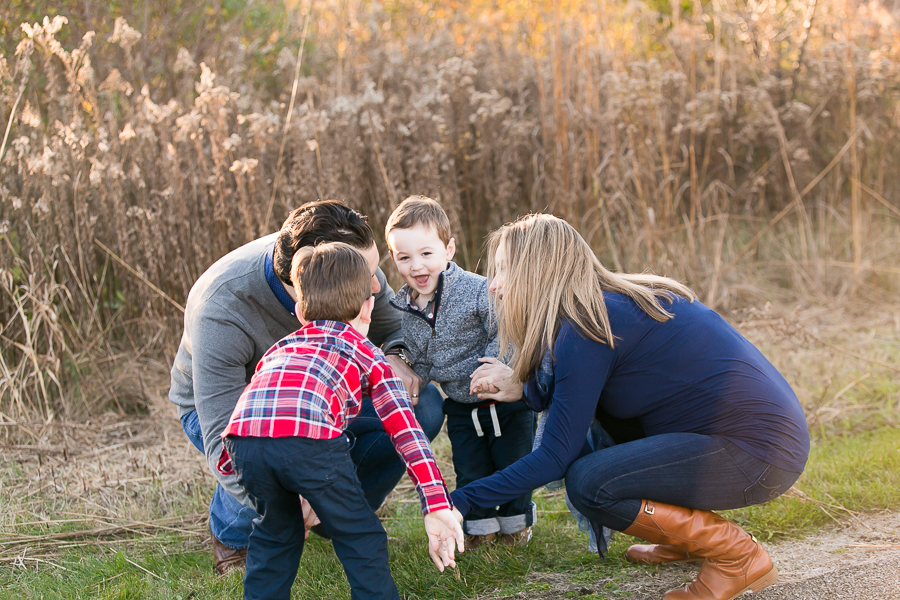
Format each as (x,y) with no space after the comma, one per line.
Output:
(701,419)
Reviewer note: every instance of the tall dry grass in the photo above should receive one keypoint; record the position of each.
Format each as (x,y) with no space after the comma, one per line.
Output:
(746,149)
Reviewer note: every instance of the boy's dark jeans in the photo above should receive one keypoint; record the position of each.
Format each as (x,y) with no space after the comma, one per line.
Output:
(274,471)
(477,456)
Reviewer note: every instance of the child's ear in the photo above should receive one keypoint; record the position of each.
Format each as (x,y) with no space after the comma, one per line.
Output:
(451,248)
(365,311)
(299,314)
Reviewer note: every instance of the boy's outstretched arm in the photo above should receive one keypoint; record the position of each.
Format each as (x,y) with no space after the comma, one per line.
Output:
(443,529)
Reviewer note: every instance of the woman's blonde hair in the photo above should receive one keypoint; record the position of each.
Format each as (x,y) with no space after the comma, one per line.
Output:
(552,274)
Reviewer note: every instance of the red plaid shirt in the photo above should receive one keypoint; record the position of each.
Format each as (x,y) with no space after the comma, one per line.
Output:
(311,384)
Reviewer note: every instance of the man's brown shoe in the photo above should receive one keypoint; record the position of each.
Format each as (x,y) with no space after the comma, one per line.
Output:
(227,559)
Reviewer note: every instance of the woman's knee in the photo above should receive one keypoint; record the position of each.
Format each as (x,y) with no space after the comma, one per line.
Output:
(583,486)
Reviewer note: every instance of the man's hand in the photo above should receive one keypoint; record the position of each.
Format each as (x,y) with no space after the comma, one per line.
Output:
(310,519)
(442,527)
(493,380)
(411,381)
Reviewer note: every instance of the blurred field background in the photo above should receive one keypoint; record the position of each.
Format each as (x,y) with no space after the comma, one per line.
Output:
(748,148)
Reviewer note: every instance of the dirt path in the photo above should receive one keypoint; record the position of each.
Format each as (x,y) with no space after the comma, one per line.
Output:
(857,560)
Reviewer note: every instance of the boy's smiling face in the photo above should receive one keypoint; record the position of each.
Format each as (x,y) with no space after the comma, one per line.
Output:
(420,256)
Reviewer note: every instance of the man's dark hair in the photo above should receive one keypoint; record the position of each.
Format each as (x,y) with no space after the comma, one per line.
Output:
(315,223)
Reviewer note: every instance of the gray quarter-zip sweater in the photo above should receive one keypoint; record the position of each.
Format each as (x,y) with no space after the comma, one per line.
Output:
(231,318)
(446,347)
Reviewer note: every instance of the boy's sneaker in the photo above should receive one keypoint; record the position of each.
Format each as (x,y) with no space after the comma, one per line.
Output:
(475,541)
(519,538)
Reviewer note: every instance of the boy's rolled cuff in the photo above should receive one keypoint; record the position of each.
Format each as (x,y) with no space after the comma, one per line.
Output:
(508,525)
(481,526)
(517,523)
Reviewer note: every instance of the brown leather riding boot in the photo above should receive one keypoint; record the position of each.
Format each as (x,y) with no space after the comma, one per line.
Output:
(658,554)
(735,561)
(227,559)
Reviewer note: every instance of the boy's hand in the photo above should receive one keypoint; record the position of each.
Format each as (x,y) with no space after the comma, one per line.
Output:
(442,527)
(493,380)
(411,381)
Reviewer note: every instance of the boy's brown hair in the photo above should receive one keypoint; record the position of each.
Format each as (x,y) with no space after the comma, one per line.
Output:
(419,210)
(332,281)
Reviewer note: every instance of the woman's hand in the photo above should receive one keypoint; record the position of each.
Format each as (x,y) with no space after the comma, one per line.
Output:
(442,528)
(493,380)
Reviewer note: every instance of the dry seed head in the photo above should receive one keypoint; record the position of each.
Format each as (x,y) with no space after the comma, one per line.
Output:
(184,63)
(30,116)
(41,207)
(114,82)
(127,133)
(243,166)
(231,142)
(124,35)
(97,168)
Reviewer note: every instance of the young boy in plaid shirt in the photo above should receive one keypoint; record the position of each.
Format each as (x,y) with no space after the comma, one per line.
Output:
(286,437)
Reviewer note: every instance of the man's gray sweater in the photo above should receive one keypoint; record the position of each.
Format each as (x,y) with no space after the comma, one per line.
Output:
(446,347)
(231,318)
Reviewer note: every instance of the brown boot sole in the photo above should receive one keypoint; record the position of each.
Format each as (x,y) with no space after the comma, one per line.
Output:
(696,559)
(758,585)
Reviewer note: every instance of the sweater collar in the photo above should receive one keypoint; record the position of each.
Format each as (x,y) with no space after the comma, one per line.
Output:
(275,285)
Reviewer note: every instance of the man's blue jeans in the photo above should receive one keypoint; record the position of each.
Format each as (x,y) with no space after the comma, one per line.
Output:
(704,472)
(378,465)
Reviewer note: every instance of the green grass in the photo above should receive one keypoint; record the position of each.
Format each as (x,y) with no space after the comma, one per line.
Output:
(859,472)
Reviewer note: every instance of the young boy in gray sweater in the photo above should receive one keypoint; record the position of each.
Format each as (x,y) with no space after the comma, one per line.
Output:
(447,327)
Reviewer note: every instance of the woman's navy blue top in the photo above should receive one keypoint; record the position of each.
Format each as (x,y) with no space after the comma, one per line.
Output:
(691,374)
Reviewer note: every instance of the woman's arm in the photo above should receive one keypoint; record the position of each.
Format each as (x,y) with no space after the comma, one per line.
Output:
(582,368)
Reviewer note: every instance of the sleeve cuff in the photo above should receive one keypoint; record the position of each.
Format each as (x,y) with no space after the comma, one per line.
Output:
(394,343)
(459,502)
(435,497)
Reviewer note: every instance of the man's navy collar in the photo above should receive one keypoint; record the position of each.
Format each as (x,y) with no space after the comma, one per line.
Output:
(275,284)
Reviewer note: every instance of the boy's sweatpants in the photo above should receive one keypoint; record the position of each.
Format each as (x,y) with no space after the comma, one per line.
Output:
(487,441)
(274,471)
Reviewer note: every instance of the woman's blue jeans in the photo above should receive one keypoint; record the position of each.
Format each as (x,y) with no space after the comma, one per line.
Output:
(378,465)
(705,472)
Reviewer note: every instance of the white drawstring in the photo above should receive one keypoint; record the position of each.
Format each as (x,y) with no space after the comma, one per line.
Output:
(478,429)
(494,421)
